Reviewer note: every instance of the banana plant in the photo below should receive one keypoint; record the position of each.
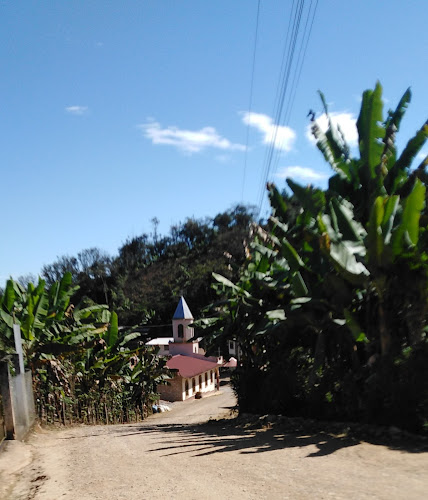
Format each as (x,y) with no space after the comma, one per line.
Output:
(50,325)
(377,171)
(338,280)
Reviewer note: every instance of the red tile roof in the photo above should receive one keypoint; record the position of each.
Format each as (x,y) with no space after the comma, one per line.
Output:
(188,366)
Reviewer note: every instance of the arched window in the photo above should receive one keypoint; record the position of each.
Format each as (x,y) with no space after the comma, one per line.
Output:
(186,387)
(200,382)
(206,379)
(194,385)
(180,331)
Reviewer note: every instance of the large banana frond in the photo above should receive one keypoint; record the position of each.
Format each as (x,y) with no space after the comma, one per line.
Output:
(333,148)
(412,148)
(311,199)
(407,233)
(371,132)
(112,333)
(279,206)
(392,125)
(9,295)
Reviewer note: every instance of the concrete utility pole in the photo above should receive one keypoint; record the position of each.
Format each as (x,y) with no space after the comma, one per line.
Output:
(18,347)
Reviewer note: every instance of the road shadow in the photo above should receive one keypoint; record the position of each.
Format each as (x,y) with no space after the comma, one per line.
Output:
(231,435)
(222,437)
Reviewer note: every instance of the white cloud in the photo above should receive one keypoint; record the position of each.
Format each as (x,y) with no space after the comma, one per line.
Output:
(346,121)
(302,173)
(189,141)
(76,110)
(223,158)
(283,136)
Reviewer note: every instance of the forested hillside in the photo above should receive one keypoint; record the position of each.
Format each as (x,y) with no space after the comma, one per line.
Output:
(87,365)
(150,272)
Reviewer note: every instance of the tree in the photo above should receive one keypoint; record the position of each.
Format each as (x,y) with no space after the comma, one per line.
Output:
(91,270)
(332,305)
(79,358)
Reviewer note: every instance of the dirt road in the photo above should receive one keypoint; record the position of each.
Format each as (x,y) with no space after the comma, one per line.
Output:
(175,456)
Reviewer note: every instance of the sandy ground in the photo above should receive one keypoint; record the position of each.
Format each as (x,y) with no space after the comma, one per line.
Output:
(178,455)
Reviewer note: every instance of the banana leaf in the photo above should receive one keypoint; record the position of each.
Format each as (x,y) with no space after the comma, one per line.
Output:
(371,132)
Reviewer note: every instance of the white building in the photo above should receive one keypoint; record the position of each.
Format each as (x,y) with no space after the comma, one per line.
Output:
(194,373)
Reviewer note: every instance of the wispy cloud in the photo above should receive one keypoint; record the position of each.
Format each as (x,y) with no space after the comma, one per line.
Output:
(283,136)
(223,158)
(76,110)
(346,122)
(302,173)
(189,141)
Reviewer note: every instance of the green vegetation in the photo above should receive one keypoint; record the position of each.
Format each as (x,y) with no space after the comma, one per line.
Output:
(145,280)
(84,368)
(328,302)
(330,310)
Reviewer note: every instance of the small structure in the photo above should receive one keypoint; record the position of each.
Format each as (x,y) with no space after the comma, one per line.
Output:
(232,363)
(194,373)
(162,343)
(234,350)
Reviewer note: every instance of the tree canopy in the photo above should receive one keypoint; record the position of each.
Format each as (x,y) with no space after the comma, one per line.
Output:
(330,310)
(150,272)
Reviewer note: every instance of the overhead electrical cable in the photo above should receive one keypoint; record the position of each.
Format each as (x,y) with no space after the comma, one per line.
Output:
(282,86)
(300,60)
(297,73)
(277,148)
(285,77)
(291,69)
(250,105)
(276,105)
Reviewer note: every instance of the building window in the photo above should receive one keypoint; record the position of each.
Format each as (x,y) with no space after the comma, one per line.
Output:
(231,345)
(212,377)
(206,379)
(180,331)
(186,388)
(194,384)
(200,382)
(166,347)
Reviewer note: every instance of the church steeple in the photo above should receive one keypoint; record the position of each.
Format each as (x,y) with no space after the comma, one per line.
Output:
(182,311)
(180,322)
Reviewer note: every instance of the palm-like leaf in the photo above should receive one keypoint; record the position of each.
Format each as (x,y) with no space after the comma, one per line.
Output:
(371,132)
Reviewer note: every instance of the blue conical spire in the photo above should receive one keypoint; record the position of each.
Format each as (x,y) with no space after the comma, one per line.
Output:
(182,311)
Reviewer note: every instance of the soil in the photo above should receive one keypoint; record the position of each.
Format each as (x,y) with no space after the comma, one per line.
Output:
(182,455)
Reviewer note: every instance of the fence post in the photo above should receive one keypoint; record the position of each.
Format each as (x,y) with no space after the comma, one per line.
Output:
(9,421)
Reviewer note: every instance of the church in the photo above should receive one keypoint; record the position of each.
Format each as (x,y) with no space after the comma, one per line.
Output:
(194,374)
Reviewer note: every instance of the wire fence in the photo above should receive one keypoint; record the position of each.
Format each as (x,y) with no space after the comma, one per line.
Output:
(93,409)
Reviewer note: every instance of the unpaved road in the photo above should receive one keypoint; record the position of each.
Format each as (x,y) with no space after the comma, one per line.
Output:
(175,456)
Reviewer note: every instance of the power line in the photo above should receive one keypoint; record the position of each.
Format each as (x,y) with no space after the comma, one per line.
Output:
(276,151)
(299,66)
(288,71)
(276,105)
(290,44)
(300,60)
(251,99)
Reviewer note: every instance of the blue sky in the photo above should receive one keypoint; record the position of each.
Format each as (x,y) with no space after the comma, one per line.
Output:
(113,113)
